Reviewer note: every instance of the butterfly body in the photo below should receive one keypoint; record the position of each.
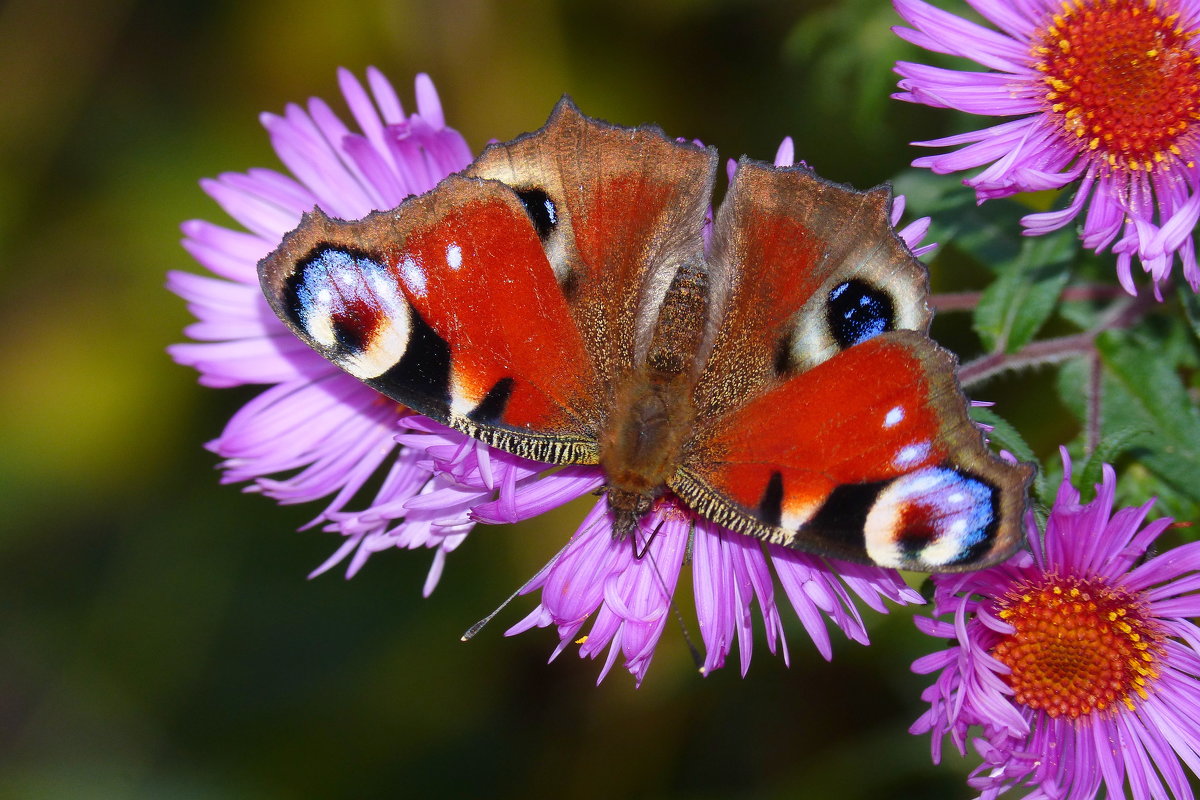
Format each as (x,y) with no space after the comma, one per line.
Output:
(645,439)
(560,300)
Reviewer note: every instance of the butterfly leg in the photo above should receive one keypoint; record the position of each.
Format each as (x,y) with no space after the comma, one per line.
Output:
(640,554)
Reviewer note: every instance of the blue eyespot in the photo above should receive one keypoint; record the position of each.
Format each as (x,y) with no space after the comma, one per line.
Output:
(933,517)
(349,306)
(857,311)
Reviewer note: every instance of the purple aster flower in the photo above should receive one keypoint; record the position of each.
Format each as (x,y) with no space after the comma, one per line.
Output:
(316,434)
(1074,663)
(323,430)
(1105,93)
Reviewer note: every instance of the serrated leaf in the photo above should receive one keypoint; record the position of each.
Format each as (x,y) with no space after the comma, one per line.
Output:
(1142,391)
(1073,378)
(1170,336)
(1136,485)
(1014,307)
(933,193)
(1111,446)
(1083,316)
(988,233)
(1003,434)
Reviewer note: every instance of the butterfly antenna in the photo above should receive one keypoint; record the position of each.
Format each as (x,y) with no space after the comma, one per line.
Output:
(478,626)
(697,658)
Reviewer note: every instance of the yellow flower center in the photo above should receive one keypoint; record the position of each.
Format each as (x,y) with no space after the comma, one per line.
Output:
(1123,78)
(1080,646)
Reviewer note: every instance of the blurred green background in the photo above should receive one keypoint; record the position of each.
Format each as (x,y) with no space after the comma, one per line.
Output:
(159,636)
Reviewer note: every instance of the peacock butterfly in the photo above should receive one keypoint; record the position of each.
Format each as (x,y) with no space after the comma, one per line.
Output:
(558,300)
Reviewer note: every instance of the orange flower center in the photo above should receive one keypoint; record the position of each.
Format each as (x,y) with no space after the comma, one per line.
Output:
(1123,78)
(1080,646)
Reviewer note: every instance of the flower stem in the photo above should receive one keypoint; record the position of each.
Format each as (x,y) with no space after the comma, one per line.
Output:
(967,301)
(1094,404)
(1047,351)
(1121,314)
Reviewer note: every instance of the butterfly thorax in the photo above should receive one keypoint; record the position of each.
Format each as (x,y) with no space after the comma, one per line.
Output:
(653,414)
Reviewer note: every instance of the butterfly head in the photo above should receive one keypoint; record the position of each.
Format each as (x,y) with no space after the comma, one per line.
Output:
(627,508)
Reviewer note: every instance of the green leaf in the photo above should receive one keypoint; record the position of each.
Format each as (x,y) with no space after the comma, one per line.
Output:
(1142,392)
(1072,387)
(1014,307)
(1118,434)
(1003,434)
(1171,337)
(987,234)
(1137,484)
(1111,447)
(1191,309)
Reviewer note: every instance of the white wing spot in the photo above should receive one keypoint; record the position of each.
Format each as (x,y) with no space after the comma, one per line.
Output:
(414,276)
(894,417)
(911,455)
(454,256)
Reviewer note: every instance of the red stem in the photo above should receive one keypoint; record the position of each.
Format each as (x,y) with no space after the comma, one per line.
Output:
(1122,314)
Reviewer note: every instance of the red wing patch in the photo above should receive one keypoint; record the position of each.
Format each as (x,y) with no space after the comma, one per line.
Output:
(480,279)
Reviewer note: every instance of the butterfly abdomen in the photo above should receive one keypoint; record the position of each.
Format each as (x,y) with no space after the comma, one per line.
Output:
(640,448)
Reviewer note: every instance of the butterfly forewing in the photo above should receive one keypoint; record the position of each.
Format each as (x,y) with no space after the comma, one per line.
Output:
(622,209)
(447,305)
(508,302)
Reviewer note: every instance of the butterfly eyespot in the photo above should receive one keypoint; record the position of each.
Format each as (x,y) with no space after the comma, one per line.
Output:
(347,304)
(541,210)
(936,517)
(857,311)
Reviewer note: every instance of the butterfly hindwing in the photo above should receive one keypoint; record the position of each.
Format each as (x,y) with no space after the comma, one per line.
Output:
(783,241)
(868,454)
